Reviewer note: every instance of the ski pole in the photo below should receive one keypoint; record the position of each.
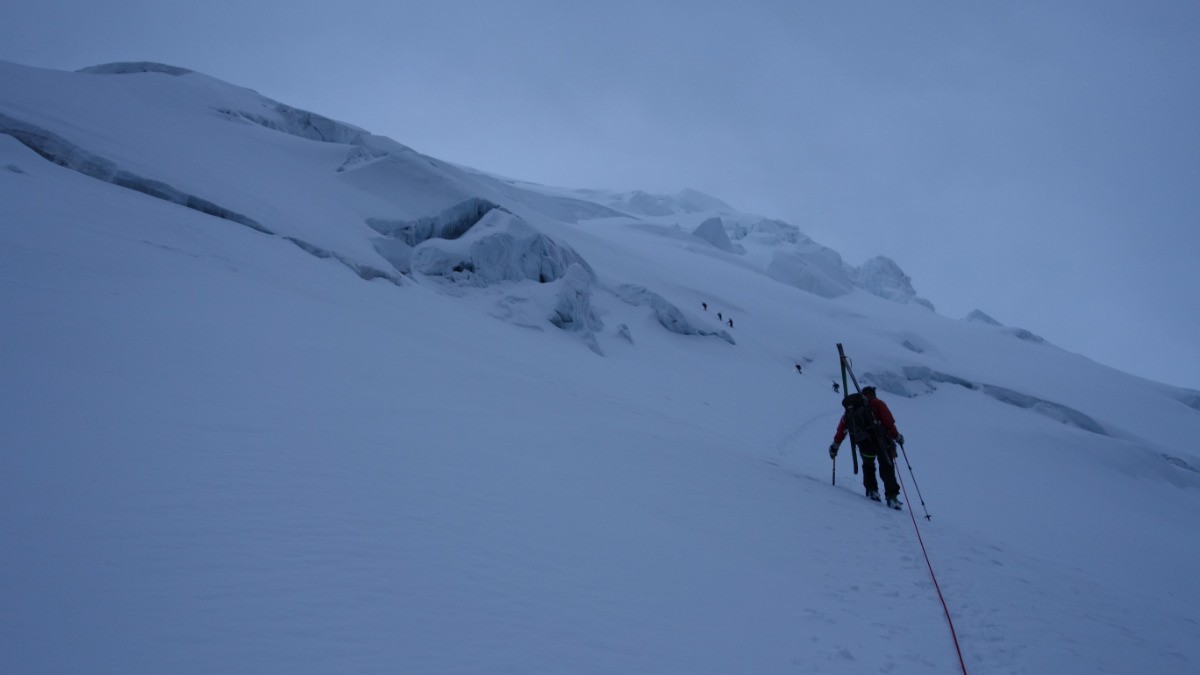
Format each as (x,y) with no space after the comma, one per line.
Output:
(834,460)
(918,487)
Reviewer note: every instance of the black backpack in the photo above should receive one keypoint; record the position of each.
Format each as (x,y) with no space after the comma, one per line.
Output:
(860,420)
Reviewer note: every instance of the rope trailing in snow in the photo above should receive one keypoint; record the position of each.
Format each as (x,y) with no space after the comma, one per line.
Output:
(933,576)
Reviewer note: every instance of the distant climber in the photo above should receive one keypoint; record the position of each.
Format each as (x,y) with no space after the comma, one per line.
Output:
(837,388)
(704,305)
(798,369)
(873,429)
(731,323)
(719,317)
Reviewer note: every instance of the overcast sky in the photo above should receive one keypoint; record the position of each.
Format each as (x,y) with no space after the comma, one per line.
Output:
(1036,160)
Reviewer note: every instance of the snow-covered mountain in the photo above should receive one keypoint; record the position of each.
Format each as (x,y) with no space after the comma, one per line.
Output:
(282,395)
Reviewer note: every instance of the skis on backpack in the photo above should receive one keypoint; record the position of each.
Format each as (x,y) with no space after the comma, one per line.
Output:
(887,446)
(846,389)
(869,422)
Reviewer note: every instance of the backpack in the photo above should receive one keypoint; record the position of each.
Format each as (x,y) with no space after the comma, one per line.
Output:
(860,420)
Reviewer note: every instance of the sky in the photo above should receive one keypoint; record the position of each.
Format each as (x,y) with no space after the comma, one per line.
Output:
(1038,161)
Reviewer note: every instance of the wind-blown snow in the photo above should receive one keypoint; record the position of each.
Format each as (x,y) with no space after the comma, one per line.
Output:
(979,316)
(282,396)
(645,204)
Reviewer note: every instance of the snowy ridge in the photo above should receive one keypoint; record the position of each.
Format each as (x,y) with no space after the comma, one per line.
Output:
(565,436)
(127,67)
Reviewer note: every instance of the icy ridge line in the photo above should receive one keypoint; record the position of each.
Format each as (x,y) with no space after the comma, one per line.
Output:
(897,384)
(62,152)
(130,67)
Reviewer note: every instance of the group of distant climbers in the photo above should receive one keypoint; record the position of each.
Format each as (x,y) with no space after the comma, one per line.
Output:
(720,316)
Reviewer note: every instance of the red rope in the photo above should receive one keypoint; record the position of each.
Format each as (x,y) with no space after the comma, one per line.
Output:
(933,576)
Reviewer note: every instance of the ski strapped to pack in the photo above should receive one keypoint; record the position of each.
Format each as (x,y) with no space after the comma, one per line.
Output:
(869,424)
(846,388)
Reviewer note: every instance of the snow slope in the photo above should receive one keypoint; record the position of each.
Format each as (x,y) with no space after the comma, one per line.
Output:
(284,396)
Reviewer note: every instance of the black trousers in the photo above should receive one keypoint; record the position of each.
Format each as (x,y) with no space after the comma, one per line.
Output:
(887,469)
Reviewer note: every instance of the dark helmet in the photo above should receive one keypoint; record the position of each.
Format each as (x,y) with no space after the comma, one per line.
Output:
(869,391)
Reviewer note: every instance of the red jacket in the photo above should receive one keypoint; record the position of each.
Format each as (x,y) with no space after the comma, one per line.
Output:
(880,409)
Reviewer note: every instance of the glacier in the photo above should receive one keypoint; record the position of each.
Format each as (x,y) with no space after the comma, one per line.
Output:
(282,395)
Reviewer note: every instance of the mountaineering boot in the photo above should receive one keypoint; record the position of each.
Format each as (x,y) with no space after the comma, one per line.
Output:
(894,503)
(873,495)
